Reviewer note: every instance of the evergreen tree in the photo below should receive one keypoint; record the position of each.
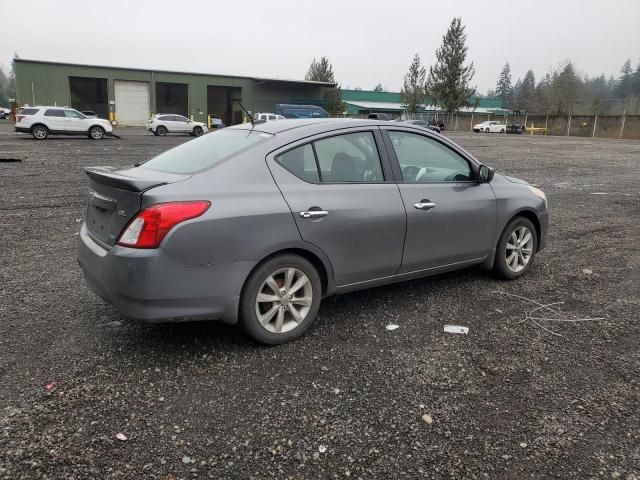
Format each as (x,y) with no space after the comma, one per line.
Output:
(449,79)
(504,88)
(412,93)
(379,88)
(322,71)
(625,83)
(526,93)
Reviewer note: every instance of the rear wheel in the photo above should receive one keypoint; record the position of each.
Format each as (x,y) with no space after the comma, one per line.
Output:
(96,133)
(162,131)
(197,131)
(39,132)
(502,131)
(516,248)
(280,299)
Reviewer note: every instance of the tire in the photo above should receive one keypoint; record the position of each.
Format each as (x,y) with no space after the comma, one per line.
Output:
(96,133)
(39,132)
(277,314)
(502,131)
(197,131)
(154,132)
(162,131)
(512,240)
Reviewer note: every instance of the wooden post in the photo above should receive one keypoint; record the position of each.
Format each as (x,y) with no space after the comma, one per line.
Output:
(471,122)
(624,117)
(595,124)
(546,124)
(569,124)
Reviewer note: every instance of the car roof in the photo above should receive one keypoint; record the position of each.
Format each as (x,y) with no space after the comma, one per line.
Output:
(311,126)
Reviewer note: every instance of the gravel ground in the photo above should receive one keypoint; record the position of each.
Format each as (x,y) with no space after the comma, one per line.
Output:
(511,399)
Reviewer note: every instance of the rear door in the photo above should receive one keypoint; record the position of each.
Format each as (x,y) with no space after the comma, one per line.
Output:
(55,119)
(342,196)
(451,217)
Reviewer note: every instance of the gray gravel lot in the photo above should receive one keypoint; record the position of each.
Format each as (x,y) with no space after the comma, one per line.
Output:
(199,400)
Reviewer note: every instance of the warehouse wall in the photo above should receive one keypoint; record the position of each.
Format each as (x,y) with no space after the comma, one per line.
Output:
(42,83)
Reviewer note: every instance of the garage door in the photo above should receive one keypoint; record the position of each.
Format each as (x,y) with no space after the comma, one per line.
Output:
(132,102)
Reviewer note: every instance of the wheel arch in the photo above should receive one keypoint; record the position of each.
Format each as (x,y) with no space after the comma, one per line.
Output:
(312,255)
(38,124)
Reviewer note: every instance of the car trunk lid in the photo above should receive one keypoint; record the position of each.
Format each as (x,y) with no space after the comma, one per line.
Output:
(115,197)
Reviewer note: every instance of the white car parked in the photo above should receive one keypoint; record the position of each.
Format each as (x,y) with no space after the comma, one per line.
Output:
(267,116)
(490,126)
(44,121)
(164,123)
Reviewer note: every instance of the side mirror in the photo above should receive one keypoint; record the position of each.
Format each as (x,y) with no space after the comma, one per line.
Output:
(485,174)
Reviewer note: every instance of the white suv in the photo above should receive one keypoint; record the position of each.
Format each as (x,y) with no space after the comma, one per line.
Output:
(44,121)
(163,123)
(267,116)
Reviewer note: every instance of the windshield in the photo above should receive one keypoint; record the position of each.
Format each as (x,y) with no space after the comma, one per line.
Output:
(206,151)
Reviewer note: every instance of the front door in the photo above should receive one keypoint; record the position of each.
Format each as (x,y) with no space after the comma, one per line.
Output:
(345,203)
(451,217)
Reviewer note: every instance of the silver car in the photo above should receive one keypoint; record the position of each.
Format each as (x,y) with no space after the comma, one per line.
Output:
(255,224)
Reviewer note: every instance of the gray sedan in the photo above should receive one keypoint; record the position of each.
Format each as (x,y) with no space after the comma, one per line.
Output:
(255,224)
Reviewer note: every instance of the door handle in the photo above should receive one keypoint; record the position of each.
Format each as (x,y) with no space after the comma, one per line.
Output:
(424,205)
(314,213)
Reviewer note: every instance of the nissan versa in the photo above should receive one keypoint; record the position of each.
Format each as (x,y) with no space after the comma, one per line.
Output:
(255,224)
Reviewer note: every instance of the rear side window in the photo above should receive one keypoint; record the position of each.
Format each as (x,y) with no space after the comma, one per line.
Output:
(350,158)
(28,111)
(301,162)
(165,118)
(54,113)
(206,151)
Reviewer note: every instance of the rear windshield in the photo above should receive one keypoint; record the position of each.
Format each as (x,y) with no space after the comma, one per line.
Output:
(206,151)
(28,111)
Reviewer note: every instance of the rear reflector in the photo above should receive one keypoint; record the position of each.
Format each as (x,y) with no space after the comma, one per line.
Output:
(149,227)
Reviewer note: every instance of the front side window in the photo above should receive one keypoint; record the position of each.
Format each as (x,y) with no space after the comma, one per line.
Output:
(424,160)
(73,114)
(54,113)
(206,151)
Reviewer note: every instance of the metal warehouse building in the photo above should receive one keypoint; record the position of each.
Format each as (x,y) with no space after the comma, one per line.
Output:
(132,95)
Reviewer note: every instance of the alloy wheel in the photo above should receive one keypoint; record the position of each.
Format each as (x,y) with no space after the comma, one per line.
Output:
(96,133)
(40,132)
(284,300)
(519,249)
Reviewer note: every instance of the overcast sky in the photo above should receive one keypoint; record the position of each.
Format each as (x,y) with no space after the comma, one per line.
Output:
(366,41)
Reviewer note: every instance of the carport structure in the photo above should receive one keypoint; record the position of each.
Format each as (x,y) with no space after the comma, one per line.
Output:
(132,95)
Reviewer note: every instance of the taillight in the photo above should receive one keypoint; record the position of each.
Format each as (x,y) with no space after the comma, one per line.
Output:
(149,227)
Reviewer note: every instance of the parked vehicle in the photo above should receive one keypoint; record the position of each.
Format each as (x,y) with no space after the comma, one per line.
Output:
(300,111)
(163,124)
(254,224)
(490,126)
(379,116)
(4,113)
(267,116)
(42,121)
(422,123)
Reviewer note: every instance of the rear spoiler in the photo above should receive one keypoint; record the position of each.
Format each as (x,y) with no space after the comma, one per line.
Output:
(120,180)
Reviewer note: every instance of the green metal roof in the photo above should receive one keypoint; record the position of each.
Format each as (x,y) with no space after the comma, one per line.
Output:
(394,97)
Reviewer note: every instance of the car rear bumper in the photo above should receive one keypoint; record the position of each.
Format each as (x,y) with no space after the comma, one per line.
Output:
(149,285)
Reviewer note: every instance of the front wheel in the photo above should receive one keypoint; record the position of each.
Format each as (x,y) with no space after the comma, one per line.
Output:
(197,131)
(502,131)
(516,248)
(280,299)
(96,133)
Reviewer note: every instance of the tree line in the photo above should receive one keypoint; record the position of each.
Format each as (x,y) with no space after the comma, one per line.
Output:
(565,91)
